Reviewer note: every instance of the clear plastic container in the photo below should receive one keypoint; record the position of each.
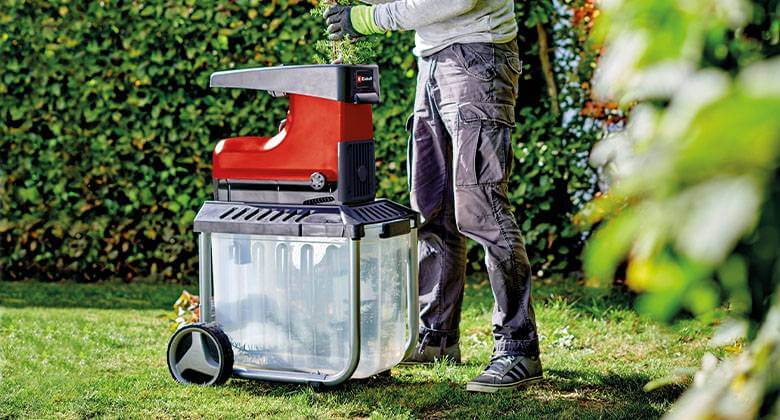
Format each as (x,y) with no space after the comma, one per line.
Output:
(284,301)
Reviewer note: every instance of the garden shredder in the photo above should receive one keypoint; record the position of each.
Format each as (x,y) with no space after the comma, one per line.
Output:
(305,276)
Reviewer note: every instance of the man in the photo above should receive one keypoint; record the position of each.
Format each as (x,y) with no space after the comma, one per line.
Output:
(461,156)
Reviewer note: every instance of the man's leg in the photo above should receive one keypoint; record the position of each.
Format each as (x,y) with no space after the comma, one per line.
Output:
(478,105)
(442,248)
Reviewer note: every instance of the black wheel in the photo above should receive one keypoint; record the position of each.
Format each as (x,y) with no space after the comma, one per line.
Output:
(200,354)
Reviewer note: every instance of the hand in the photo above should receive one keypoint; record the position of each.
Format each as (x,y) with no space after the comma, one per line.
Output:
(339,23)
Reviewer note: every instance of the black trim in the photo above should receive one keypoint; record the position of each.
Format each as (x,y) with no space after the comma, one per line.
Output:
(357,172)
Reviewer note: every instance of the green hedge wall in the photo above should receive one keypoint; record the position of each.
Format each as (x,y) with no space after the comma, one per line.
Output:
(107,127)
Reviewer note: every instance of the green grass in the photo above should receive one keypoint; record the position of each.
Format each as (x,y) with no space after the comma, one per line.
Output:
(73,350)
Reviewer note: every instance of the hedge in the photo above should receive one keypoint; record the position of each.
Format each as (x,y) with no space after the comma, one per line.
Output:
(108,126)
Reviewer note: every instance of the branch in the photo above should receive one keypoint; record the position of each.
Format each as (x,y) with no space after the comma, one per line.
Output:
(549,76)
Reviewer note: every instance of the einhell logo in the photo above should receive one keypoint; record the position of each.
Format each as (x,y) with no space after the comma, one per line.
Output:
(364,79)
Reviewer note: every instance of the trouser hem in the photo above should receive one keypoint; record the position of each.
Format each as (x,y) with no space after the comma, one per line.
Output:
(434,337)
(516,348)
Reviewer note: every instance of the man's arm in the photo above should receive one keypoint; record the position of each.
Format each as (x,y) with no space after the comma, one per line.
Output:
(391,15)
(403,15)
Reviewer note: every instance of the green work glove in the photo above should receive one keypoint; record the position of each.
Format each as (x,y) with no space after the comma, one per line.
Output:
(350,21)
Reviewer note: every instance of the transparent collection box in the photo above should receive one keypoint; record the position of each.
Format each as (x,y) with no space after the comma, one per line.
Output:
(284,301)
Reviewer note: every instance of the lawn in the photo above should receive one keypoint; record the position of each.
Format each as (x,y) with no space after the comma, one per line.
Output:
(74,350)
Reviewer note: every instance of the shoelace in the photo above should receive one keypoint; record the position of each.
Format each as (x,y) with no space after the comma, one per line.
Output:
(496,361)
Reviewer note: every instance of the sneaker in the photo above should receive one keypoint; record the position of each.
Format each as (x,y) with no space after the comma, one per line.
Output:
(431,354)
(507,372)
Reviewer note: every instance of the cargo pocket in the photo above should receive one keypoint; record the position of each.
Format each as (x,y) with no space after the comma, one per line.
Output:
(484,146)
(514,62)
(477,60)
(508,53)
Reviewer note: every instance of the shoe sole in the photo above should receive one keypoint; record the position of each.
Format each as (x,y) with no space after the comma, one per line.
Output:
(480,387)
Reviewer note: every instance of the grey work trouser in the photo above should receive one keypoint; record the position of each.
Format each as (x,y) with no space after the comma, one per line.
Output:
(460,159)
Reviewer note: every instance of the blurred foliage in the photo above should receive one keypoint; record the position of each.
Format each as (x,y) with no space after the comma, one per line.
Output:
(107,126)
(693,205)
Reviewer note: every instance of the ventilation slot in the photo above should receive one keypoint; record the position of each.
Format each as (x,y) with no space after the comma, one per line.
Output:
(251,214)
(227,213)
(371,213)
(374,214)
(318,200)
(265,212)
(385,211)
(237,215)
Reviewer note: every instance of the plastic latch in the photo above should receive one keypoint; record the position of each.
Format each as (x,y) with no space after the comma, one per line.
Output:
(396,228)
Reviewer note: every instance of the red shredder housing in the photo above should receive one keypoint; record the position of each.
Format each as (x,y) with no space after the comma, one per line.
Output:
(307,143)
(324,150)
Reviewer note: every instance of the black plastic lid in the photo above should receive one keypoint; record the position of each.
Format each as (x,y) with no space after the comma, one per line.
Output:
(346,221)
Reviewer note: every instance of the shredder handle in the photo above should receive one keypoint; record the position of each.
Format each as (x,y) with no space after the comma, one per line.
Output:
(346,83)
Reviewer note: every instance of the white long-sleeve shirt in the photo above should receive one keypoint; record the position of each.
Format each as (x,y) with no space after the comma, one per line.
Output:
(441,23)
